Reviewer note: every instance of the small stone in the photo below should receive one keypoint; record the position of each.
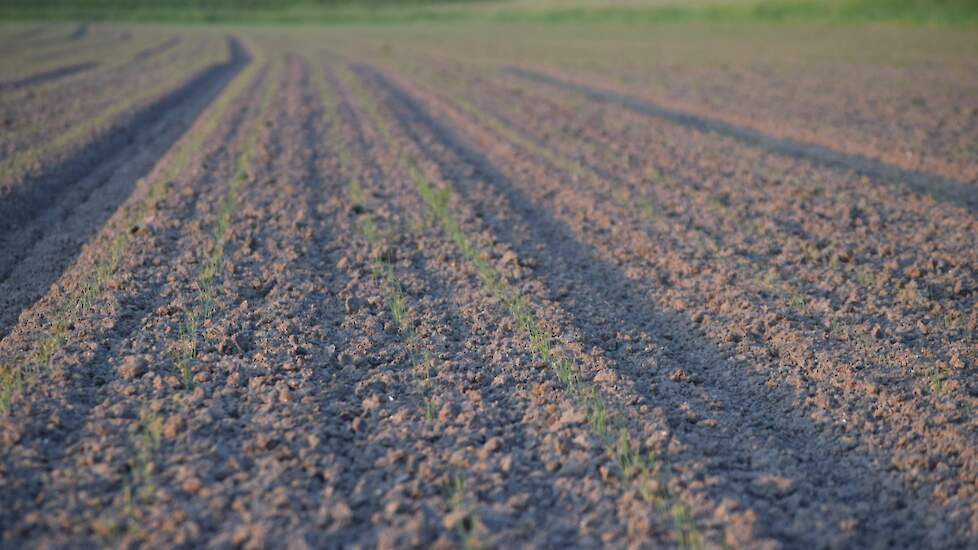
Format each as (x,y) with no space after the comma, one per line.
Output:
(605,375)
(132,367)
(340,512)
(105,526)
(570,417)
(957,362)
(445,413)
(518,501)
(265,441)
(679,375)
(490,446)
(33,518)
(371,402)
(454,518)
(192,485)
(173,426)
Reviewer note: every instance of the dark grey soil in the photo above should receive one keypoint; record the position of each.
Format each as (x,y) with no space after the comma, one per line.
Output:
(791,342)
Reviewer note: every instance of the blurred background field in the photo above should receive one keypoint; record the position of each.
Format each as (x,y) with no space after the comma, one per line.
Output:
(944,12)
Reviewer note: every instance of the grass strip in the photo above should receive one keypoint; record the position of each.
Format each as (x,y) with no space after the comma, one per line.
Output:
(942,12)
(14,376)
(606,423)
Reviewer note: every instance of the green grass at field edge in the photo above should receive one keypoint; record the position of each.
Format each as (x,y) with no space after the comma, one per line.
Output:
(939,12)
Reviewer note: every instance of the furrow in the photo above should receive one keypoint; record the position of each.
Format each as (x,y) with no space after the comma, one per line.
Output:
(25,200)
(684,357)
(35,250)
(939,187)
(89,373)
(642,477)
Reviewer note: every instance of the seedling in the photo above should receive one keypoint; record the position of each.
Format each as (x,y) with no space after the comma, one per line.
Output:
(935,378)
(455,495)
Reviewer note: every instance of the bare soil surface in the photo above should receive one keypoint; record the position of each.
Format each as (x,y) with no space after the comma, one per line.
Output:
(328,293)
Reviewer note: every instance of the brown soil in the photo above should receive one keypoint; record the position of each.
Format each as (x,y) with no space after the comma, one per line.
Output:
(788,343)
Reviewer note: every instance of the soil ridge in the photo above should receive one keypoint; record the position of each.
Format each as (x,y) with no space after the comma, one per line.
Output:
(939,187)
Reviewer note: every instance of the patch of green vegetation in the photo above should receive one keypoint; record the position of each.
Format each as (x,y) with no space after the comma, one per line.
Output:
(936,377)
(836,11)
(948,12)
(140,481)
(457,496)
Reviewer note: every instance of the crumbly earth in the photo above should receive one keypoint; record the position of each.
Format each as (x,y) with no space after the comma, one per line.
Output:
(235,316)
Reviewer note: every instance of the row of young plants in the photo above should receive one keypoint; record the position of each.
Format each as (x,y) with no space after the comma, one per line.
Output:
(792,297)
(604,419)
(204,302)
(455,491)
(140,484)
(112,245)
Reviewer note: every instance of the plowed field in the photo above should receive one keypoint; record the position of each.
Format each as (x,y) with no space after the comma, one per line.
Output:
(488,286)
